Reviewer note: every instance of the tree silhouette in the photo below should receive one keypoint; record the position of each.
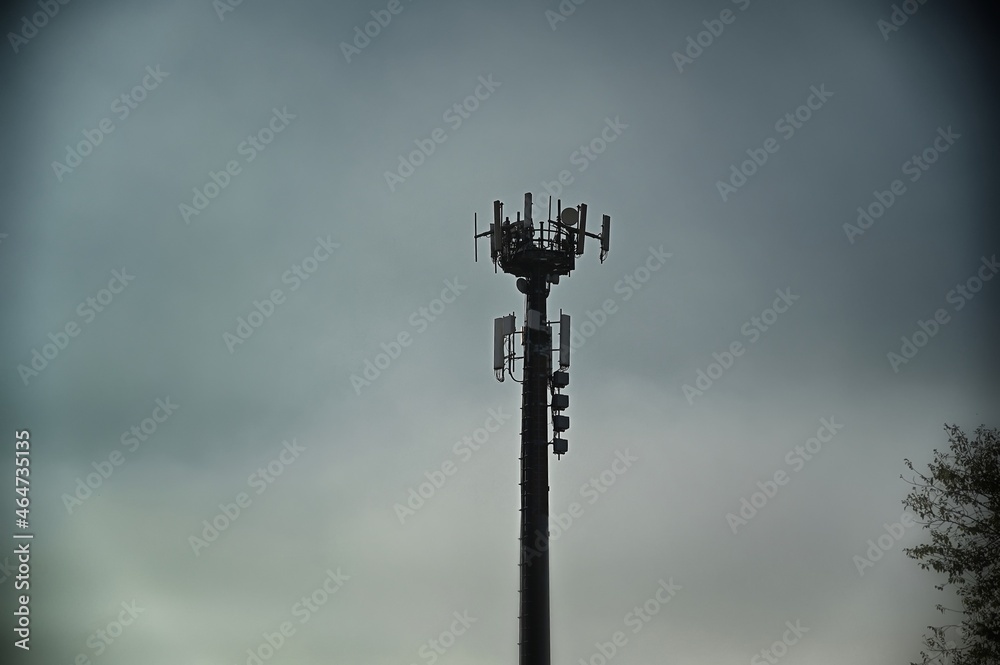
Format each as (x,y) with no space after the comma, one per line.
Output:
(959,503)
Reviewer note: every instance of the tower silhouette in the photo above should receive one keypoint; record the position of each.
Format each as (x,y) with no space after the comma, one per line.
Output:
(538,256)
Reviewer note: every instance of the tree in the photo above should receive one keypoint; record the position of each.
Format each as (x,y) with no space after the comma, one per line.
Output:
(959,503)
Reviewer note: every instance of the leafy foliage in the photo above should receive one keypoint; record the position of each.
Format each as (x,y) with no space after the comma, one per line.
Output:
(959,503)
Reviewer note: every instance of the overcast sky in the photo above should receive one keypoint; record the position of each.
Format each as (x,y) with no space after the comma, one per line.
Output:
(218,216)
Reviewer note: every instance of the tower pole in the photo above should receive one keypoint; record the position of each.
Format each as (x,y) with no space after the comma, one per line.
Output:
(534,648)
(538,256)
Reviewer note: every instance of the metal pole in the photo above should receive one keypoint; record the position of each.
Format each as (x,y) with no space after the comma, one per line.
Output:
(533,644)
(537,260)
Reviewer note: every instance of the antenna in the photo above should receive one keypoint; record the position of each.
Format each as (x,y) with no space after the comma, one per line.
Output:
(497,228)
(570,217)
(582,231)
(502,327)
(498,344)
(605,236)
(564,341)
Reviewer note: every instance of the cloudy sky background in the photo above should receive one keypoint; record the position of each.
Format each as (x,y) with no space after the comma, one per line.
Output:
(323,177)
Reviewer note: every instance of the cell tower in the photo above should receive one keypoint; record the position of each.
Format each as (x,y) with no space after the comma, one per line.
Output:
(538,257)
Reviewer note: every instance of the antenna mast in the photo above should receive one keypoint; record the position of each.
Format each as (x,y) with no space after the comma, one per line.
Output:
(538,257)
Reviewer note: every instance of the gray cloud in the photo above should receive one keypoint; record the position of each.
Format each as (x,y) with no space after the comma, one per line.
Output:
(323,177)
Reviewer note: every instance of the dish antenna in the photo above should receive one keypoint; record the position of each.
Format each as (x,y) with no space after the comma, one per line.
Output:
(569,217)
